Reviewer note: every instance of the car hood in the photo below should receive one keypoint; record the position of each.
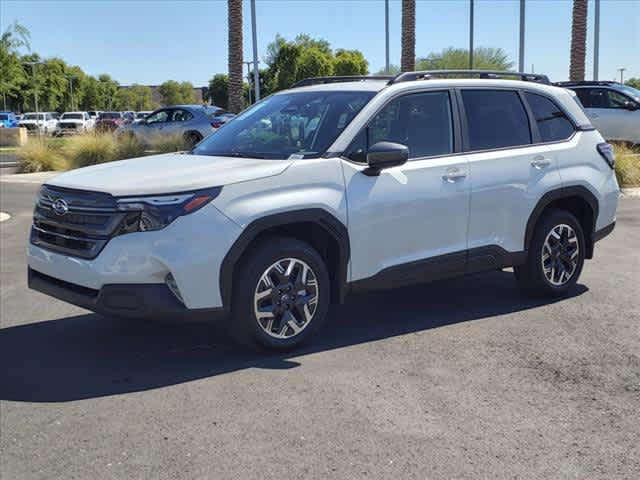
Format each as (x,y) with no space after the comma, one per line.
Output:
(168,173)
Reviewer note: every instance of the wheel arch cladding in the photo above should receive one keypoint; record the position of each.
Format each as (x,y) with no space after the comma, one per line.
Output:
(576,199)
(315,226)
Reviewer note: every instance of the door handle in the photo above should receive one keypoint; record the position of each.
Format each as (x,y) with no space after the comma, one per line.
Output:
(453,174)
(540,162)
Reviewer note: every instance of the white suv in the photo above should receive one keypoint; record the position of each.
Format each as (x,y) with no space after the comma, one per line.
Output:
(74,122)
(335,185)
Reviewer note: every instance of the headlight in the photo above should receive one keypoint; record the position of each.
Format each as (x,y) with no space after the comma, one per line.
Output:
(155,212)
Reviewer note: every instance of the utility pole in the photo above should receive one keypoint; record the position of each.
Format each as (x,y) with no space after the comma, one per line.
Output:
(596,41)
(521,46)
(386,37)
(70,78)
(256,73)
(35,94)
(248,64)
(471,5)
(621,70)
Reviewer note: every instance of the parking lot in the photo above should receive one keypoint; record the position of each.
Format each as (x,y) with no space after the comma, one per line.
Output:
(465,378)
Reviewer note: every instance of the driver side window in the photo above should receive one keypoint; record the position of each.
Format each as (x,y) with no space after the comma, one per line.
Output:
(421,121)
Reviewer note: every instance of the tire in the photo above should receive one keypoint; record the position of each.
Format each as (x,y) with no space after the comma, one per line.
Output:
(559,270)
(303,296)
(193,138)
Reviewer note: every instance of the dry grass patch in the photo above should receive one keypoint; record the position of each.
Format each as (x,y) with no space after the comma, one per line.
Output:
(627,165)
(39,155)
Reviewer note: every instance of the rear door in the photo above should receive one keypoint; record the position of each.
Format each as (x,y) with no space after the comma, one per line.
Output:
(510,172)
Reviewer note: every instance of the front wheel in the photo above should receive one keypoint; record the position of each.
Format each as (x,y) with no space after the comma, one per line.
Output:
(555,257)
(281,295)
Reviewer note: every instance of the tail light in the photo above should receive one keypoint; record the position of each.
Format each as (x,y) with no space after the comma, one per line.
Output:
(606,151)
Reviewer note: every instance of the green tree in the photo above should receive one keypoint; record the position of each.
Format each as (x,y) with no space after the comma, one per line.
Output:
(106,92)
(219,90)
(13,77)
(135,97)
(458,58)
(350,62)
(393,70)
(313,62)
(174,93)
(186,92)
(633,82)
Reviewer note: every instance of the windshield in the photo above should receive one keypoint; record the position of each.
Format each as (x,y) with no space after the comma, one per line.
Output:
(32,116)
(633,92)
(300,123)
(72,116)
(110,115)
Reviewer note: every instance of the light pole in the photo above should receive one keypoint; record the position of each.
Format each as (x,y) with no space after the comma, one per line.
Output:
(386,36)
(521,45)
(621,70)
(471,6)
(70,78)
(596,41)
(256,74)
(35,92)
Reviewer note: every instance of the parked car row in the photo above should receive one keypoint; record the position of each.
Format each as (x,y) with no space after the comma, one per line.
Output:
(195,122)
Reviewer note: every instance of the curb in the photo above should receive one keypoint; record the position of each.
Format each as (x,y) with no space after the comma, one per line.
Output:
(35,178)
(630,192)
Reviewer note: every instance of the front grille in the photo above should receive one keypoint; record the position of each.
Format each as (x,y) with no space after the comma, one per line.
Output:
(69,126)
(84,229)
(29,126)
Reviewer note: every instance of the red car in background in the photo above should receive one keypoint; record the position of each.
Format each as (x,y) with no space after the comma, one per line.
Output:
(109,121)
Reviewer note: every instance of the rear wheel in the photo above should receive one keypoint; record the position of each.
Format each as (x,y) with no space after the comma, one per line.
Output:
(281,295)
(555,257)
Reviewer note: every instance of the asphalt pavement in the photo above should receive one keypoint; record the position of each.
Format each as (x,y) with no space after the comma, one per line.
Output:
(464,378)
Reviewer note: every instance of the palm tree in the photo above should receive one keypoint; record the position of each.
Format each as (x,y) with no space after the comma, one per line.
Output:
(578,40)
(236,99)
(408,60)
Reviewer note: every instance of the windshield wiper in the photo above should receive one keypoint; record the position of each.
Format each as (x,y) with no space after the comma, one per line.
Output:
(234,154)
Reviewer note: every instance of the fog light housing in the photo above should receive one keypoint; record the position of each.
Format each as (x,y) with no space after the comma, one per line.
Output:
(173,286)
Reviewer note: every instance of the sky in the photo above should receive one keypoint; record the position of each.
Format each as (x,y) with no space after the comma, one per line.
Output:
(151,41)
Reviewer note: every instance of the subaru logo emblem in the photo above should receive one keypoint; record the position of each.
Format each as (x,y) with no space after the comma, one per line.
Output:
(60,206)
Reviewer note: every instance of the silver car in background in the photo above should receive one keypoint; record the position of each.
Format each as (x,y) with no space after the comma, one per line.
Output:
(194,122)
(613,108)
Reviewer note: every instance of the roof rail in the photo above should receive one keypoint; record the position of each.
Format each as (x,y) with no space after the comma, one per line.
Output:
(346,78)
(492,74)
(586,82)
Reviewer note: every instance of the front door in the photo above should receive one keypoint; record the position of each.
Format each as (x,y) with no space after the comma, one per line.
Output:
(411,219)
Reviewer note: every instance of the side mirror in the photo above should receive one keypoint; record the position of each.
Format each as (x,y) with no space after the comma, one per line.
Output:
(383,155)
(631,105)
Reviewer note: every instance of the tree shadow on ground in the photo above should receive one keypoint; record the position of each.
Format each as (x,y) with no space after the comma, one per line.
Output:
(89,356)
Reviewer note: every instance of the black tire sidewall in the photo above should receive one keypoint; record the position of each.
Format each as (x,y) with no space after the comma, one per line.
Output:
(244,325)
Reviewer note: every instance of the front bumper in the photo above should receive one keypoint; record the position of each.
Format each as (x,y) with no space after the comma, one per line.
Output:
(122,300)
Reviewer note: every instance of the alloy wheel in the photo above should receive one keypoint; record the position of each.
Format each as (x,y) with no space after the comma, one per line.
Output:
(286,298)
(560,255)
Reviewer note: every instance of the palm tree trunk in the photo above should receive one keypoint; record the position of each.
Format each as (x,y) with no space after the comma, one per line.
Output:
(408,60)
(236,100)
(578,40)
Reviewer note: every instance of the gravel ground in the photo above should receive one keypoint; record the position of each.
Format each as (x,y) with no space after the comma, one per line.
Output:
(463,378)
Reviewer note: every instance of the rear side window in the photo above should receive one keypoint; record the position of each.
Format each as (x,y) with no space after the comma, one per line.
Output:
(495,119)
(553,125)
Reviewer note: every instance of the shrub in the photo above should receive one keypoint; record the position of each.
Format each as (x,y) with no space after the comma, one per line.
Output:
(39,156)
(169,143)
(91,149)
(627,165)
(128,146)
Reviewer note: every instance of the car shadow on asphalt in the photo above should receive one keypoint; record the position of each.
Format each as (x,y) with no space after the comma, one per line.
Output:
(88,356)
